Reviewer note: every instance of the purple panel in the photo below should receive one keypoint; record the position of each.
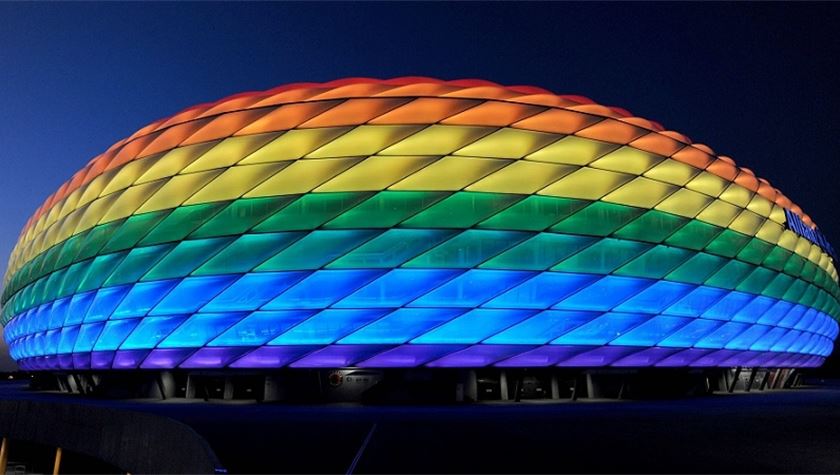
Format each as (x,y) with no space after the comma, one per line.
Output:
(479,355)
(761,359)
(128,359)
(714,359)
(101,359)
(65,361)
(601,356)
(776,361)
(273,356)
(214,357)
(814,362)
(50,362)
(409,356)
(81,360)
(26,365)
(166,357)
(683,358)
(740,358)
(548,355)
(338,356)
(646,357)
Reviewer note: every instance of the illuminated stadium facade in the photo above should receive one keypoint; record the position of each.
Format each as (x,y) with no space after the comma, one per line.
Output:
(416,223)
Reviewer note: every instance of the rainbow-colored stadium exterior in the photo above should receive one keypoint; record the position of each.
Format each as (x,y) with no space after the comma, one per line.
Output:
(416,222)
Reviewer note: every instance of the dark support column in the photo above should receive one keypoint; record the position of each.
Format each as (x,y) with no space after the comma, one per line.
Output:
(518,387)
(752,379)
(190,392)
(622,387)
(159,381)
(764,381)
(555,386)
(503,386)
(731,387)
(575,386)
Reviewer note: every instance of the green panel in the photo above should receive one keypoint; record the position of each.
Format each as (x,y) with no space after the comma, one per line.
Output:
(99,270)
(653,226)
(730,275)
(96,239)
(755,251)
(656,262)
(469,248)
(242,215)
(728,243)
(392,248)
(777,258)
(74,276)
(782,283)
(697,269)
(809,270)
(794,265)
(757,281)
(603,257)
(694,235)
(795,291)
(316,249)
(181,222)
(54,285)
(310,211)
(186,257)
(540,252)
(386,209)
(50,258)
(133,229)
(247,252)
(534,213)
(36,295)
(599,219)
(137,263)
(70,249)
(462,210)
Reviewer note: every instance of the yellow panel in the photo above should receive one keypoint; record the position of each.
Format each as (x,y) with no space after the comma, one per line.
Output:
(737,195)
(302,176)
(437,140)
(450,173)
(376,173)
(627,160)
(685,203)
(294,144)
(92,190)
(364,140)
(788,240)
(770,232)
(129,173)
(229,151)
(130,200)
(573,150)
(587,184)
(760,205)
(174,161)
(94,211)
(803,247)
(508,143)
(672,171)
(641,192)
(522,176)
(815,254)
(177,189)
(708,183)
(747,222)
(53,215)
(69,203)
(719,213)
(778,214)
(235,182)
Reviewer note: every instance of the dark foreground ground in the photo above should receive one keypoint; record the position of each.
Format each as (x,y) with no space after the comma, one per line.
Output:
(790,431)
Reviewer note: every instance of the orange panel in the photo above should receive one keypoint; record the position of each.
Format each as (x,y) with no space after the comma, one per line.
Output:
(147,129)
(723,169)
(596,109)
(747,180)
(657,143)
(185,115)
(493,113)
(352,90)
(705,148)
(727,159)
(639,122)
(676,136)
(611,130)
(131,151)
(425,110)
(557,121)
(225,125)
(420,89)
(767,191)
(234,104)
(288,97)
(172,137)
(97,166)
(287,117)
(353,112)
(693,156)
(548,100)
(482,92)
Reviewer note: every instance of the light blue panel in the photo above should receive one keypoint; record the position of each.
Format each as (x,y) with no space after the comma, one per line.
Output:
(392,248)
(192,293)
(723,335)
(472,288)
(327,327)
(652,331)
(401,325)
(88,333)
(747,338)
(542,327)
(142,297)
(79,307)
(802,324)
(727,307)
(201,328)
(474,326)
(754,310)
(542,291)
(105,302)
(605,294)
(114,333)
(776,313)
(252,291)
(786,341)
(602,330)
(655,298)
(58,312)
(322,288)
(690,334)
(41,318)
(259,327)
(150,332)
(768,339)
(793,316)
(397,287)
(52,340)
(696,302)
(68,339)
(800,343)
(317,248)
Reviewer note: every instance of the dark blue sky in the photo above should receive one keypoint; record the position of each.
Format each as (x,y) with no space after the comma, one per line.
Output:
(753,81)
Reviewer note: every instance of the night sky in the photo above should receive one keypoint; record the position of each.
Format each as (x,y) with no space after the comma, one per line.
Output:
(753,81)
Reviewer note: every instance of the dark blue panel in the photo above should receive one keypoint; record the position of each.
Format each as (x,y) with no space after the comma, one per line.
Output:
(260,327)
(605,294)
(786,341)
(800,343)
(201,328)
(542,327)
(652,331)
(723,335)
(150,332)
(655,298)
(88,334)
(41,318)
(401,325)
(51,341)
(142,297)
(806,320)
(252,291)
(691,333)
(472,288)
(78,307)
(114,333)
(68,339)
(793,316)
(696,302)
(602,330)
(776,313)
(542,291)
(397,287)
(473,326)
(322,289)
(727,307)
(105,302)
(192,293)
(328,326)
(754,310)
